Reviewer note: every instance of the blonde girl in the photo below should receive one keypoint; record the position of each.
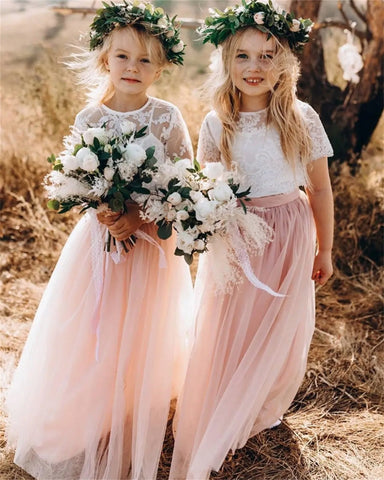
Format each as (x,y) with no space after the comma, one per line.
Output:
(249,357)
(107,349)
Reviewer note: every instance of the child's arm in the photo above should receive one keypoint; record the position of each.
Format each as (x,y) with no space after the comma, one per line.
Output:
(321,201)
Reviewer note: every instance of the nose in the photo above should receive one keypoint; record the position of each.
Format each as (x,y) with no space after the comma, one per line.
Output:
(131,65)
(255,65)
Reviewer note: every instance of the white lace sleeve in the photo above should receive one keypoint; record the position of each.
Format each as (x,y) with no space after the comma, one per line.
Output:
(178,143)
(321,146)
(207,148)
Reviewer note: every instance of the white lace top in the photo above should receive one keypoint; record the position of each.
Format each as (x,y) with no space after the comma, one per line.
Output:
(166,129)
(257,152)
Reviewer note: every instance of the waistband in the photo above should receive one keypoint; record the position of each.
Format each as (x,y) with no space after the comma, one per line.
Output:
(273,200)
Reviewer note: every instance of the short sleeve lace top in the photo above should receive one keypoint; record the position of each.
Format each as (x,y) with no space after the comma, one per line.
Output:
(257,152)
(166,129)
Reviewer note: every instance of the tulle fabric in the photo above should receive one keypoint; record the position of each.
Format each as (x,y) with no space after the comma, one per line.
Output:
(72,415)
(250,353)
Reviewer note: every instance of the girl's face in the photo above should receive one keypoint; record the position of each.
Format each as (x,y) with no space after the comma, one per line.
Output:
(253,71)
(131,70)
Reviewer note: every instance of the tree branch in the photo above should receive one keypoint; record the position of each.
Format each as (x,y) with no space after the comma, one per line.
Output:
(336,23)
(357,11)
(340,6)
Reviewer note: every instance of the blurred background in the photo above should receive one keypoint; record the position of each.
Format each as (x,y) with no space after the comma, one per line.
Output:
(335,428)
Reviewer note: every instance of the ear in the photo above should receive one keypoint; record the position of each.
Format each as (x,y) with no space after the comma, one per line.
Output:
(158,74)
(106,63)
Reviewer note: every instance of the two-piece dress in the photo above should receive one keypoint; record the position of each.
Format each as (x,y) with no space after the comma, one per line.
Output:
(250,353)
(108,347)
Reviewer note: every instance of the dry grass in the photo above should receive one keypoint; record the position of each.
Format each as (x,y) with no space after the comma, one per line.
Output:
(335,428)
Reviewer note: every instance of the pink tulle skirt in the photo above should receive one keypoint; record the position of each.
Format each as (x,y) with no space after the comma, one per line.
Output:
(250,353)
(91,396)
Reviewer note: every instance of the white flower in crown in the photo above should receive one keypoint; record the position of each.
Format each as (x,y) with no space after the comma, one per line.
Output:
(170,33)
(108,148)
(127,127)
(109,173)
(174,198)
(179,47)
(213,170)
(70,162)
(221,193)
(162,23)
(259,18)
(295,27)
(88,160)
(100,133)
(264,2)
(134,153)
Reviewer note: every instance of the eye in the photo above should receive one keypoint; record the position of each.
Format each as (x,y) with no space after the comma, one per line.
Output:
(267,56)
(242,55)
(122,56)
(145,60)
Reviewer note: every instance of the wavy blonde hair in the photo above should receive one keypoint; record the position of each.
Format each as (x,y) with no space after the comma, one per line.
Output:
(282,109)
(91,69)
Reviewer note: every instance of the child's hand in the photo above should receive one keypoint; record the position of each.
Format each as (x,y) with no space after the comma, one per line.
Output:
(322,267)
(126,224)
(108,217)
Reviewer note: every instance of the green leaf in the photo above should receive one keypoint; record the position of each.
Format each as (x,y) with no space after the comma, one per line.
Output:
(150,152)
(51,159)
(185,191)
(53,205)
(165,230)
(188,258)
(178,252)
(78,147)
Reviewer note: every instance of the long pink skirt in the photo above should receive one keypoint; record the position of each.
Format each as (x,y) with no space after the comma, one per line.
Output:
(90,398)
(250,353)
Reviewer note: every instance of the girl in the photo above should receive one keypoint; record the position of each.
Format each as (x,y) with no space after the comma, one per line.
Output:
(249,357)
(108,346)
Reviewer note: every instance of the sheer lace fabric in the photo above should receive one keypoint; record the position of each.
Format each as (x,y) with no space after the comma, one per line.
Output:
(257,153)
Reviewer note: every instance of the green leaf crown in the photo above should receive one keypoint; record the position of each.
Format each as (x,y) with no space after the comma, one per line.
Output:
(154,20)
(260,14)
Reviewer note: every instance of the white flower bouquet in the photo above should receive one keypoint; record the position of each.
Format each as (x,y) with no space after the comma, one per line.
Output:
(207,208)
(101,172)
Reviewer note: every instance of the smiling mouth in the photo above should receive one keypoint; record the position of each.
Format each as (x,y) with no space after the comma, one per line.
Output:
(253,81)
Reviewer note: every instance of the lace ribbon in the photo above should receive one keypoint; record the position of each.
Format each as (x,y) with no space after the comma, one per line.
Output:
(99,260)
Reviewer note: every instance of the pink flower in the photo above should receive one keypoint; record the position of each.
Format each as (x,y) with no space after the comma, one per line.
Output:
(259,18)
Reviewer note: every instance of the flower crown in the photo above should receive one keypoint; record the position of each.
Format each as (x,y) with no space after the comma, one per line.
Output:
(154,20)
(260,14)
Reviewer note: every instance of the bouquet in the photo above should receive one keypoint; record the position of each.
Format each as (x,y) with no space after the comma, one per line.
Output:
(101,171)
(206,207)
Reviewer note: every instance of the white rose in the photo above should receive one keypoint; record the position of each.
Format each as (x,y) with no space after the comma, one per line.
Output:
(70,162)
(88,160)
(213,170)
(100,133)
(221,193)
(199,244)
(185,242)
(182,215)
(127,127)
(196,196)
(295,27)
(174,198)
(170,33)
(108,148)
(204,208)
(170,215)
(179,47)
(162,22)
(259,18)
(109,173)
(134,153)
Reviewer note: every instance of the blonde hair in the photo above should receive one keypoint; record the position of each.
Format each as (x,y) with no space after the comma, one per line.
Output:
(90,66)
(282,108)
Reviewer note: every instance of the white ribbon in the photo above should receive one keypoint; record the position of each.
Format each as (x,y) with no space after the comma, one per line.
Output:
(99,259)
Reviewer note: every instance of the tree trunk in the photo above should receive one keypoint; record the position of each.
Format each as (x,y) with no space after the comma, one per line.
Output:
(349,116)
